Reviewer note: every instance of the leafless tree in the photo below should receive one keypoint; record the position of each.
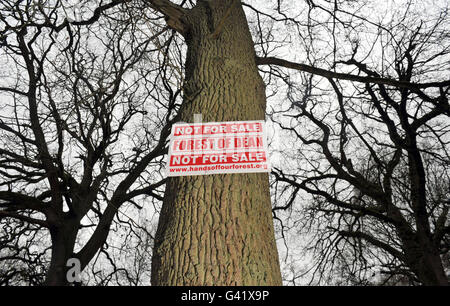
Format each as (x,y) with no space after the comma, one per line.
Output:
(373,156)
(358,104)
(83,127)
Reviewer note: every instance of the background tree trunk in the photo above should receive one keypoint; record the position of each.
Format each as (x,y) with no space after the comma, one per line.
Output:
(218,229)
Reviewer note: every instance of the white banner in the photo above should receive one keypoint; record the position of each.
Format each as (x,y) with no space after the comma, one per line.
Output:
(218,147)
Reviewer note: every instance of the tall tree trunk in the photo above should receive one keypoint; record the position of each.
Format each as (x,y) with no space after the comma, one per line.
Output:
(218,229)
(423,259)
(431,271)
(424,255)
(63,242)
(426,261)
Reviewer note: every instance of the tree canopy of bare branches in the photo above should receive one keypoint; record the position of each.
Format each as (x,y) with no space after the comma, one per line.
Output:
(357,99)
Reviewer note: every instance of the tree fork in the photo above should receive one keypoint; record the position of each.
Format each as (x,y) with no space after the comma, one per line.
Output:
(218,229)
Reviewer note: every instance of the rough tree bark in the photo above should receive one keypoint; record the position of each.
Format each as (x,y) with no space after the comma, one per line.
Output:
(218,229)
